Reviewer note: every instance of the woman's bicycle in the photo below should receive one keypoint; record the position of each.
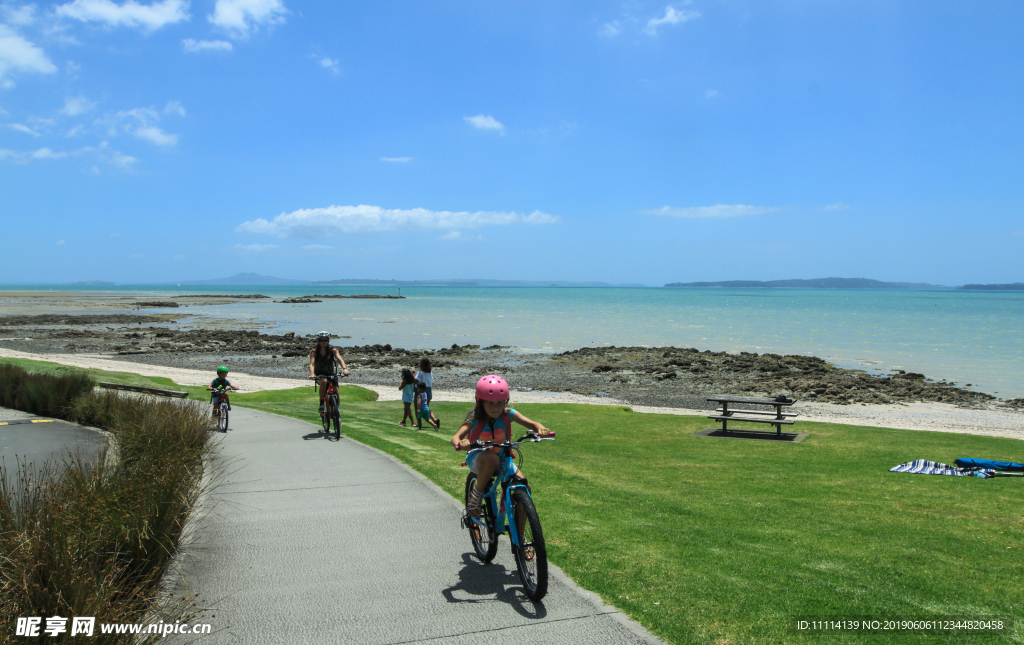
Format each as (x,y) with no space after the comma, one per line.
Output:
(221,408)
(514,506)
(331,412)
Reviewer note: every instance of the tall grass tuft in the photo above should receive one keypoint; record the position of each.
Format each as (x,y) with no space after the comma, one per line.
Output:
(44,394)
(93,539)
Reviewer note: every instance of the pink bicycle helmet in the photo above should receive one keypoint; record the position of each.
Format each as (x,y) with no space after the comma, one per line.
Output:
(491,388)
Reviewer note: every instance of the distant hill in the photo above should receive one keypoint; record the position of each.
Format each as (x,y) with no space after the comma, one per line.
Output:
(254,279)
(93,283)
(478,283)
(246,279)
(820,283)
(1016,286)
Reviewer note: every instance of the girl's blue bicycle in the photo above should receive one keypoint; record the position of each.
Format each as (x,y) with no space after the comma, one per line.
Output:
(523,524)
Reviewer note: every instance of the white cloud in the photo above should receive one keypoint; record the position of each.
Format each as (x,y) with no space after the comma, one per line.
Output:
(396,159)
(156,136)
(77,105)
(19,55)
(141,122)
(24,129)
(482,122)
(129,14)
(97,152)
(46,153)
(20,16)
(3,112)
(366,220)
(255,248)
(317,247)
(174,107)
(838,206)
(329,64)
(457,236)
(672,16)
(192,46)
(59,242)
(710,94)
(611,29)
(136,256)
(123,161)
(717,211)
(241,16)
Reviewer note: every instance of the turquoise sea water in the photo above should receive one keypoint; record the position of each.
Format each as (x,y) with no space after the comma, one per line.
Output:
(966,337)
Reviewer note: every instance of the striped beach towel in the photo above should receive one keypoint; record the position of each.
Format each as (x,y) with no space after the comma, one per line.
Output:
(925,467)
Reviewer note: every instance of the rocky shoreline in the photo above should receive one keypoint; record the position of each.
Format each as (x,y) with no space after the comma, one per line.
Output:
(663,376)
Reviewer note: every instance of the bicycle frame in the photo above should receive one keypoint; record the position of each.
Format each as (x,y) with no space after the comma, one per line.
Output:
(508,482)
(224,400)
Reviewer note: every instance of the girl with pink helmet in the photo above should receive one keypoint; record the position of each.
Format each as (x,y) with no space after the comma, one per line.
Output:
(490,420)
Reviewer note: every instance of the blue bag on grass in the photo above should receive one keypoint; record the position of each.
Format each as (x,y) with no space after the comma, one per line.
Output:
(990,464)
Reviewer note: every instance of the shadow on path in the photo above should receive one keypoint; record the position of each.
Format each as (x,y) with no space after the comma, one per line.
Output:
(479,582)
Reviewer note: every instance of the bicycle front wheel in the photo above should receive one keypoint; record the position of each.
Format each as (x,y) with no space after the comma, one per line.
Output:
(325,417)
(531,555)
(336,415)
(222,421)
(484,538)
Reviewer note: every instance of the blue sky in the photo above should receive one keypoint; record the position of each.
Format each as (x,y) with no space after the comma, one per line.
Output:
(640,141)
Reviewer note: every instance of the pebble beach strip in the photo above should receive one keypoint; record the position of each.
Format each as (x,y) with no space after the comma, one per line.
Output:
(937,417)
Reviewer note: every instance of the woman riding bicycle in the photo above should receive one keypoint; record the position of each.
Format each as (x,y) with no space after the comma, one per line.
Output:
(324,359)
(490,420)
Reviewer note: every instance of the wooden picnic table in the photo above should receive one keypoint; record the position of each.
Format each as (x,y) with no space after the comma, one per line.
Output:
(775,417)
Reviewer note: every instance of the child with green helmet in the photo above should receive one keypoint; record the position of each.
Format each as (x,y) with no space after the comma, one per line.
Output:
(218,385)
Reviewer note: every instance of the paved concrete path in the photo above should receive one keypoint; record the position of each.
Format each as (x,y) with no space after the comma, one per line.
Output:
(310,540)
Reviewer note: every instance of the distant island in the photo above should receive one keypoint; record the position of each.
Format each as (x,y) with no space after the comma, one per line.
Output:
(249,279)
(475,283)
(255,279)
(1016,286)
(820,283)
(93,283)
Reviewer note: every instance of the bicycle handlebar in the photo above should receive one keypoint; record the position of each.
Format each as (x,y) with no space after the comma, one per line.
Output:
(532,436)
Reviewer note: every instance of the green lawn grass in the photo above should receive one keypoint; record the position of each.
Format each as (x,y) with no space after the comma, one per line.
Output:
(725,541)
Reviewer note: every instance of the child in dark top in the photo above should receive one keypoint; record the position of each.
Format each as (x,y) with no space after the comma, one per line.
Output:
(408,388)
(422,405)
(218,385)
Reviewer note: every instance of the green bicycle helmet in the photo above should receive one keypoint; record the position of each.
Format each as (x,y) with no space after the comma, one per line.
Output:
(222,370)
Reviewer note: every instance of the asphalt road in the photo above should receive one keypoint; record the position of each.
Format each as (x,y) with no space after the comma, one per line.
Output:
(46,440)
(306,540)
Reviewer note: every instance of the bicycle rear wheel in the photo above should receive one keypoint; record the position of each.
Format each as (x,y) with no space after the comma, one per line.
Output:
(485,540)
(531,554)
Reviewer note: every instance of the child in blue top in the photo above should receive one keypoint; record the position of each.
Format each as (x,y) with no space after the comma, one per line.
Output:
(422,405)
(408,388)
(490,420)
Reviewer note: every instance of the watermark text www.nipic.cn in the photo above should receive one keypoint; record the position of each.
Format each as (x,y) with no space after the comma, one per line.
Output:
(86,626)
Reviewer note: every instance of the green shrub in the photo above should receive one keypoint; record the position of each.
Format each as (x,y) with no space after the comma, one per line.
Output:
(93,539)
(49,395)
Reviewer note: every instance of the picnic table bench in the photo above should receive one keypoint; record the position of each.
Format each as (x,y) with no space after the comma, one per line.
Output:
(775,417)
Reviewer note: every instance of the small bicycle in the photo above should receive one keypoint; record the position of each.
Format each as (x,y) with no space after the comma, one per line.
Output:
(523,524)
(222,408)
(331,411)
